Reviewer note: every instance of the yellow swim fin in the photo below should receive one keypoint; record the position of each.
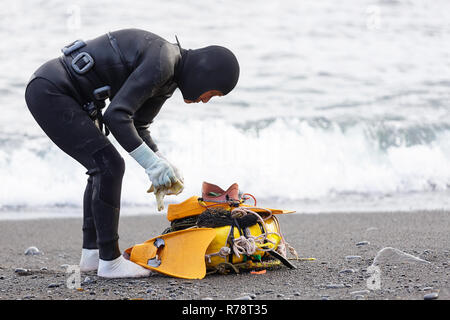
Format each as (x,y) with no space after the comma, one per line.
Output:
(178,254)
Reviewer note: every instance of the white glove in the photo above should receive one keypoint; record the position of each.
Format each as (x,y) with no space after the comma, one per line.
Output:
(159,170)
(177,171)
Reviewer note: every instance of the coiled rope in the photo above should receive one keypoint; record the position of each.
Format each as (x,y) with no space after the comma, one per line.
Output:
(248,245)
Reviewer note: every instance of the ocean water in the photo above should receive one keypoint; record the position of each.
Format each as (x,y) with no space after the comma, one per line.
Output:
(340,106)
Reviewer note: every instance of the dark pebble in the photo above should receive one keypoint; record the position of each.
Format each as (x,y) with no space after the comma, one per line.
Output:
(87,281)
(335,286)
(347,271)
(350,258)
(53,285)
(22,271)
(362,243)
(431,296)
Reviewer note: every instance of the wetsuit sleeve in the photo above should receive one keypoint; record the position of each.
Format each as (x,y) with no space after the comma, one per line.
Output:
(144,117)
(140,86)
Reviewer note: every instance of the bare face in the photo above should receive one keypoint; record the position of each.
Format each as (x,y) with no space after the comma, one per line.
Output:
(204,97)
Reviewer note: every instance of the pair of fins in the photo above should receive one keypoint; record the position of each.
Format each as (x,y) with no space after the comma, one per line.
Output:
(179,254)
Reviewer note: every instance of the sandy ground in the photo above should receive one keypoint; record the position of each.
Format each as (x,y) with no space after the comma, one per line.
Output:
(341,269)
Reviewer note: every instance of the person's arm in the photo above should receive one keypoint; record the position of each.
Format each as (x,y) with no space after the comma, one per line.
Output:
(137,89)
(142,120)
(140,86)
(144,117)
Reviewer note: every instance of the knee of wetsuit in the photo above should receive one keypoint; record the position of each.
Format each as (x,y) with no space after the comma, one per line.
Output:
(107,180)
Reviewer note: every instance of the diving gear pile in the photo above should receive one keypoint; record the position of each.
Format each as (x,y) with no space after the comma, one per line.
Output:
(216,232)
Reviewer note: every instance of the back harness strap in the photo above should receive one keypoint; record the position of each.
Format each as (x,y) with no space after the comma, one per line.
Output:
(81,63)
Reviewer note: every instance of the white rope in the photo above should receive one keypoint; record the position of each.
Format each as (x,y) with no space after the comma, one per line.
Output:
(223,252)
(243,245)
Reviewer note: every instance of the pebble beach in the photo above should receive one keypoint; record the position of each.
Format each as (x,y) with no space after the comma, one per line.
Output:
(357,256)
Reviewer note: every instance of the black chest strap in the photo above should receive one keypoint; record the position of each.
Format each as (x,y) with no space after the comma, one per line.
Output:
(80,63)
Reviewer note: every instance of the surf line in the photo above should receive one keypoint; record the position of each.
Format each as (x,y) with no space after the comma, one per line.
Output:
(190,310)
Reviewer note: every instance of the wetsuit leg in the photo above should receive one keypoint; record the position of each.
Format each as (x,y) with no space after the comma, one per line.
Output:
(89,232)
(70,128)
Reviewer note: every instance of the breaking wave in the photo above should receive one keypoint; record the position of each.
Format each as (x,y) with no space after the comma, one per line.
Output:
(285,159)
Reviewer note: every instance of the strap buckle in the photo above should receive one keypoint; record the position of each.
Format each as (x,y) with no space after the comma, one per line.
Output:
(82,63)
(102,93)
(77,44)
(91,110)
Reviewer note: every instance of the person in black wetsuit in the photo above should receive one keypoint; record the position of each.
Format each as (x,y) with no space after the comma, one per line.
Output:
(137,71)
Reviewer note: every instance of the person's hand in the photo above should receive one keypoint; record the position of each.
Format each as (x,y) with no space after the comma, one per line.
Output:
(161,174)
(177,171)
(159,170)
(176,188)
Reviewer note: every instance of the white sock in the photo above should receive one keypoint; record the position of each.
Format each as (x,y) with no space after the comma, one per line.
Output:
(89,260)
(121,268)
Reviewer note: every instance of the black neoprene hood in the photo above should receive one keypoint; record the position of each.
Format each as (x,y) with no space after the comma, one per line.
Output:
(205,69)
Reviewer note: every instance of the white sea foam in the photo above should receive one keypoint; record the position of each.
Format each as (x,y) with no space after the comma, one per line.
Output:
(288,159)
